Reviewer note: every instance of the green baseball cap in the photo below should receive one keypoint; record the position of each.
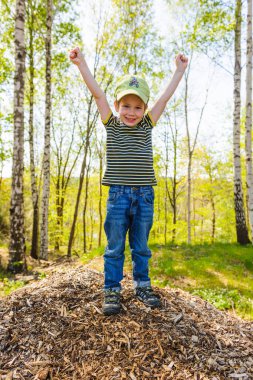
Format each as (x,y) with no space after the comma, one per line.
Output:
(132,84)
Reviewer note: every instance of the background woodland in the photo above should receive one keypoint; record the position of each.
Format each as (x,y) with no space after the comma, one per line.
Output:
(52,137)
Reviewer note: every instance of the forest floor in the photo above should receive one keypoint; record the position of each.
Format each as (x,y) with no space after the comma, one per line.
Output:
(54,329)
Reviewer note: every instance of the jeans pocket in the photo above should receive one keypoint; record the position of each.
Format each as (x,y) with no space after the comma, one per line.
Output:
(112,197)
(148,198)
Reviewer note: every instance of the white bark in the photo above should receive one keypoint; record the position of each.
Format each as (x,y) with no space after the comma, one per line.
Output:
(241,228)
(34,186)
(17,235)
(248,126)
(46,157)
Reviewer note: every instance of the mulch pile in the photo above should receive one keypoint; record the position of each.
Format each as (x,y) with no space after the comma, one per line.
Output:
(54,329)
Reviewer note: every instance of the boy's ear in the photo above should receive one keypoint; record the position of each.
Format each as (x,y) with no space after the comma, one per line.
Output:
(116,105)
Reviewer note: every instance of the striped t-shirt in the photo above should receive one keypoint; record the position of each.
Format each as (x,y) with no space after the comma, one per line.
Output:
(129,154)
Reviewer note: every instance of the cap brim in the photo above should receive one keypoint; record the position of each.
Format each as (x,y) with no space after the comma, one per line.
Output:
(131,92)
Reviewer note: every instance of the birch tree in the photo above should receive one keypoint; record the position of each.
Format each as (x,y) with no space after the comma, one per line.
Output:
(17,261)
(248,125)
(46,153)
(241,228)
(34,180)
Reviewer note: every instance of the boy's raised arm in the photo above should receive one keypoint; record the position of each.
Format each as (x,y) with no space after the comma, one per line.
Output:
(78,59)
(160,104)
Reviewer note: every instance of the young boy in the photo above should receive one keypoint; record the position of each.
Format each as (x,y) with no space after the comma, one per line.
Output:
(130,175)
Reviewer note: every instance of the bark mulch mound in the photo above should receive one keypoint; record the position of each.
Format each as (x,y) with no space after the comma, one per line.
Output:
(54,329)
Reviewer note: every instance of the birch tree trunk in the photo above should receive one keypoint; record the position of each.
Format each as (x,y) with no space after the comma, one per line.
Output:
(34,186)
(46,156)
(248,126)
(17,261)
(241,228)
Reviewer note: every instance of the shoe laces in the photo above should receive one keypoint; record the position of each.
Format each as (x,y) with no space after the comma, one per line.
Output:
(111,296)
(146,292)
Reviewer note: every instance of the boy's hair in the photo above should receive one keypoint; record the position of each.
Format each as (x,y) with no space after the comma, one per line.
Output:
(132,84)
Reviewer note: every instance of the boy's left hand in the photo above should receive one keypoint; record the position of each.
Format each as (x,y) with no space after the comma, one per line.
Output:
(181,62)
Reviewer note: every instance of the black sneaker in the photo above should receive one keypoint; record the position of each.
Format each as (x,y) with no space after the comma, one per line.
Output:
(147,296)
(111,302)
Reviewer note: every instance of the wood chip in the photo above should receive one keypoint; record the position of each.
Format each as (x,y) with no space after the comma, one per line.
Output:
(55,329)
(195,339)
(9,376)
(38,363)
(42,374)
(238,375)
(178,318)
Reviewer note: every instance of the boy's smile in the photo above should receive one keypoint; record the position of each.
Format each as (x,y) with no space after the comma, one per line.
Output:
(131,109)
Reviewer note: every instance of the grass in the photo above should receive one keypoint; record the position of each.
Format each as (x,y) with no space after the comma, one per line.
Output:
(7,282)
(222,274)
(86,257)
(8,286)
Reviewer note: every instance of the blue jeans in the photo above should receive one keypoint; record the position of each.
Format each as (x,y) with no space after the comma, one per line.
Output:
(128,209)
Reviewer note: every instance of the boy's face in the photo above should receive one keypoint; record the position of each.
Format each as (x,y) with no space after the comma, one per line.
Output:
(131,109)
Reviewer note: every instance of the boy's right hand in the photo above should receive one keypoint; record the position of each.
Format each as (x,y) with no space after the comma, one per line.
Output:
(76,56)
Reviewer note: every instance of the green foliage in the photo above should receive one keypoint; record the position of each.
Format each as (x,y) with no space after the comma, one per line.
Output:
(132,40)
(212,195)
(86,257)
(222,188)
(213,26)
(4,209)
(8,286)
(225,299)
(220,273)
(6,42)
(66,31)
(42,275)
